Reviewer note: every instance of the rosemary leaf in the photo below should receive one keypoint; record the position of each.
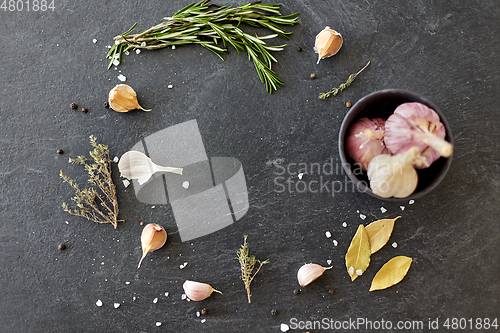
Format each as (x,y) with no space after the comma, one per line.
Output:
(335,91)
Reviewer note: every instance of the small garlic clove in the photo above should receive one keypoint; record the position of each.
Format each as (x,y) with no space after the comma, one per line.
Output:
(310,272)
(328,43)
(135,165)
(123,98)
(198,291)
(153,237)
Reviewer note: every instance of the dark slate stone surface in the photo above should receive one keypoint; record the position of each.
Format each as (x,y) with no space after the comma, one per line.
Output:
(446,51)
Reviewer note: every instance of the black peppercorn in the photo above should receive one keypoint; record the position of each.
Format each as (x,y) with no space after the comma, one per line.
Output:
(73,106)
(60,151)
(106,105)
(84,110)
(61,247)
(274,312)
(204,311)
(296,291)
(299,48)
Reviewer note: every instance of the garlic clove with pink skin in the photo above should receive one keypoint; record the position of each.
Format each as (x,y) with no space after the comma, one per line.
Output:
(395,176)
(153,237)
(198,291)
(416,125)
(365,140)
(328,43)
(310,272)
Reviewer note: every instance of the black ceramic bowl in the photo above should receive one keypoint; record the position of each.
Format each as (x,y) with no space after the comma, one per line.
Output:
(382,104)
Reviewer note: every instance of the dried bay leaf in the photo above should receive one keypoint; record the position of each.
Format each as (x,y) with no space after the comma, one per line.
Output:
(391,273)
(379,233)
(357,257)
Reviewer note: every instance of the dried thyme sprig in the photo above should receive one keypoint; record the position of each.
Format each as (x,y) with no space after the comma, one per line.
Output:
(335,91)
(214,28)
(247,265)
(97,203)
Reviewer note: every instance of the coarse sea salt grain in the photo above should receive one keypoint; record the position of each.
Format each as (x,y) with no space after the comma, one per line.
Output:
(328,234)
(344,224)
(158,323)
(173,47)
(359,272)
(127,52)
(116,305)
(166,294)
(98,303)
(351,270)
(300,175)
(122,78)
(383,210)
(328,262)
(116,62)
(143,44)
(185,184)
(362,216)
(394,245)
(127,282)
(411,202)
(402,207)
(198,313)
(126,183)
(284,328)
(170,86)
(183,296)
(155,300)
(116,159)
(117,42)
(138,51)
(94,40)
(203,320)
(335,243)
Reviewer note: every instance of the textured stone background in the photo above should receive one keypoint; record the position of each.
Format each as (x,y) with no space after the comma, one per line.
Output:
(446,51)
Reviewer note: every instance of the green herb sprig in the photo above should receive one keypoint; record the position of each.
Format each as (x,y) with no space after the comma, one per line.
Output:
(247,265)
(214,27)
(335,91)
(97,203)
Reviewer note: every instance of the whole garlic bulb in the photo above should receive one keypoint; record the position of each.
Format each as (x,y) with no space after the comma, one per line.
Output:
(328,43)
(122,98)
(310,272)
(365,140)
(198,291)
(416,125)
(153,237)
(394,176)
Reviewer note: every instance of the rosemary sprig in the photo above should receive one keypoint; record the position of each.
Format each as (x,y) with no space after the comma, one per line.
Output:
(335,91)
(247,265)
(215,28)
(98,206)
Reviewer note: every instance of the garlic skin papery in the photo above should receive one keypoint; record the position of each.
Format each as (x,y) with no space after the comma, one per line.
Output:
(365,140)
(328,43)
(310,272)
(153,237)
(395,176)
(416,125)
(198,291)
(123,98)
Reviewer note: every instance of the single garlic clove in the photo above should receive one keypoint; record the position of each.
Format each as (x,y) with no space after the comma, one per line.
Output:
(153,237)
(198,291)
(123,98)
(310,272)
(328,43)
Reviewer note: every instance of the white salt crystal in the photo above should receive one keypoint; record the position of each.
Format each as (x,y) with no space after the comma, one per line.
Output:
(394,245)
(359,272)
(362,216)
(153,207)
(300,175)
(98,303)
(328,262)
(102,263)
(411,202)
(138,51)
(126,183)
(383,210)
(173,47)
(198,313)
(116,159)
(122,78)
(183,296)
(108,46)
(284,328)
(117,42)
(183,265)
(127,282)
(94,40)
(185,184)
(143,44)
(328,234)
(134,298)
(127,52)
(66,222)
(158,323)
(351,270)
(116,305)
(203,320)
(116,62)
(402,207)
(357,211)
(166,294)
(344,224)
(155,300)
(335,243)
(170,86)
